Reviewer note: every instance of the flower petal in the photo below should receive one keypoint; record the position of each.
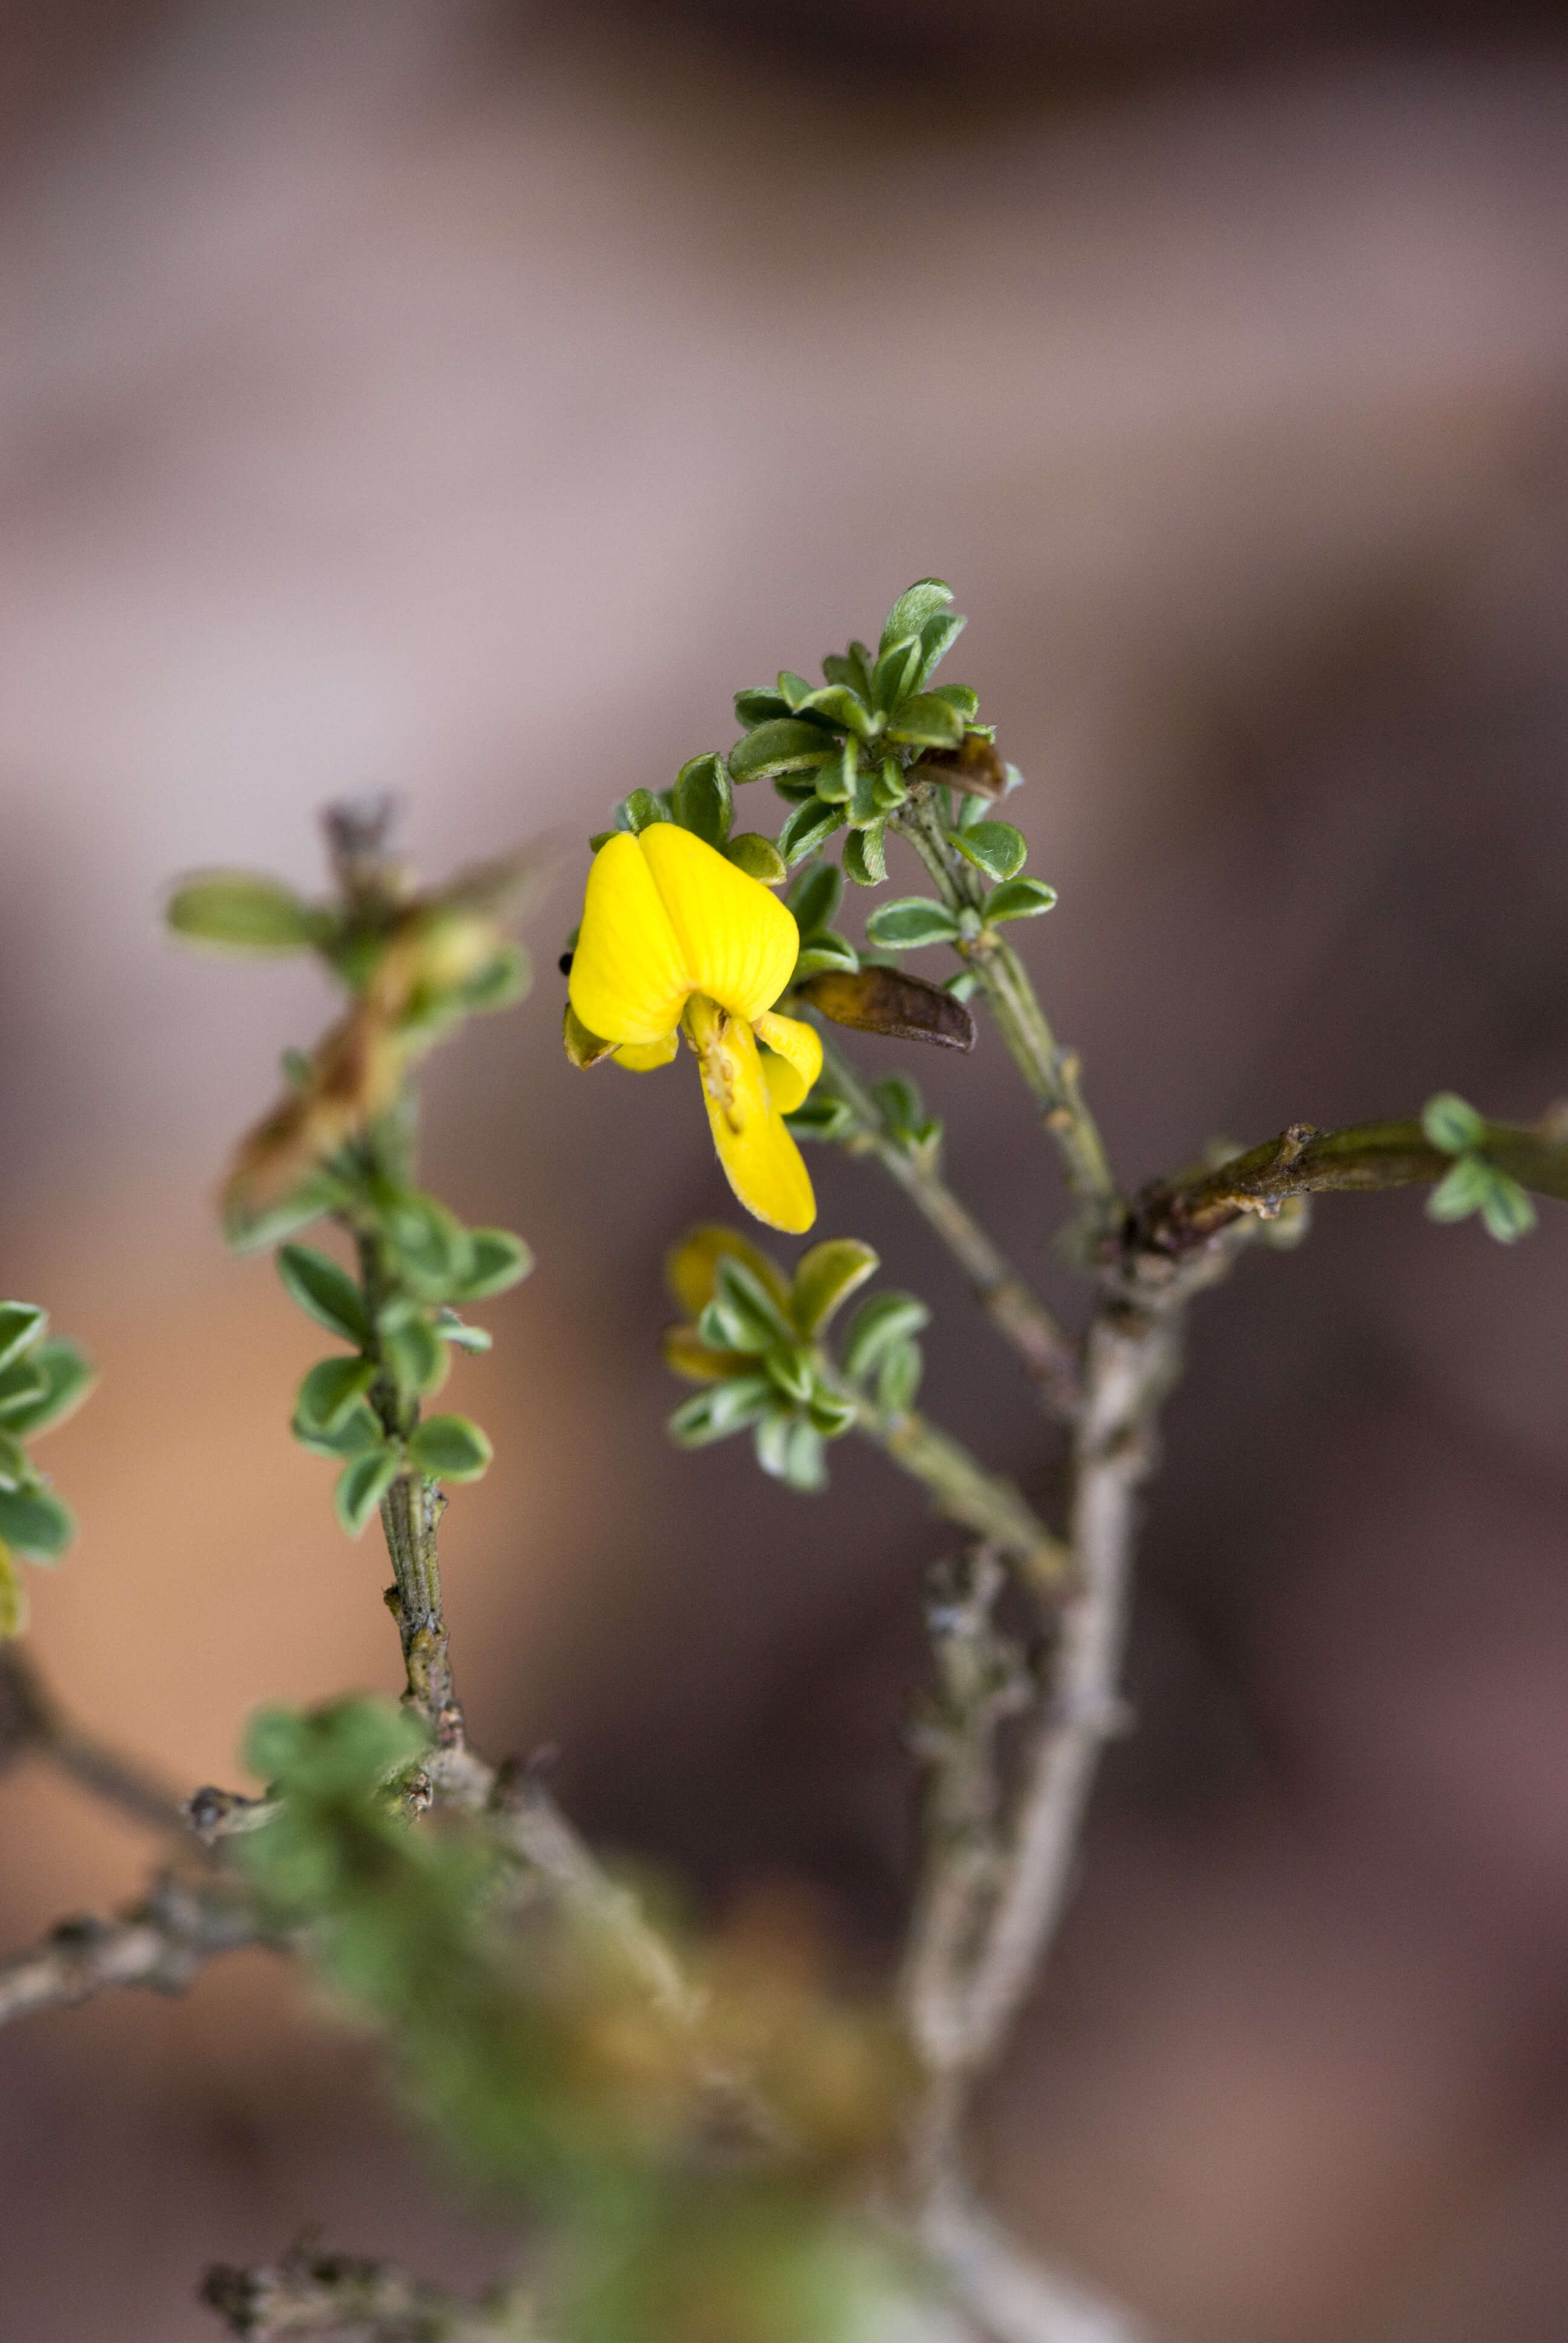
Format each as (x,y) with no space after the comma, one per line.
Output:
(761,1159)
(740,942)
(644,1057)
(629,978)
(790,1074)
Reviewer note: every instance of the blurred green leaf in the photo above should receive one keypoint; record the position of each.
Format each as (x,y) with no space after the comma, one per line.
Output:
(244,912)
(877,1326)
(500,1260)
(416,1358)
(825,1277)
(21,1324)
(22,1384)
(821,1118)
(837,705)
(898,1376)
(15,1473)
(326,1293)
(896,674)
(1507,1211)
(826,949)
(361,1485)
(1451,1123)
(327,1394)
(450,1448)
(35,1523)
(356,1434)
(938,637)
(960,698)
(724,1408)
(815,897)
(743,1314)
(761,705)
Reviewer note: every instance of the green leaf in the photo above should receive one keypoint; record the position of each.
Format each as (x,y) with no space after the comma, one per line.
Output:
(971,810)
(13,1599)
(1507,1212)
(926,721)
(639,810)
(244,912)
(895,673)
(760,705)
(784,745)
(1451,1123)
(926,599)
(361,1485)
(359,1432)
(450,1448)
(821,1118)
(836,782)
(911,921)
(791,1450)
(793,688)
(789,1368)
(960,698)
(851,668)
(827,1276)
(704,800)
(248,1231)
(15,1473)
(68,1376)
(877,1325)
(938,637)
(743,1314)
(865,855)
(499,1260)
(691,1267)
(899,1377)
(327,1394)
(21,1384)
(326,1293)
(901,1103)
(807,829)
(831,1416)
(21,1325)
(462,1337)
(431,1245)
(816,896)
(415,1357)
(888,789)
(725,1408)
(825,950)
(993,847)
(1019,898)
(837,705)
(758,856)
(1462,1190)
(501,982)
(35,1523)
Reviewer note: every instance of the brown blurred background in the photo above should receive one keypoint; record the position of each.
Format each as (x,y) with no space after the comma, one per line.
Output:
(464,399)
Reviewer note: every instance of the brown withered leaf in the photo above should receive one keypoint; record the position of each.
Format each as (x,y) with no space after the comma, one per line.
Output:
(885,1001)
(975,766)
(354,1076)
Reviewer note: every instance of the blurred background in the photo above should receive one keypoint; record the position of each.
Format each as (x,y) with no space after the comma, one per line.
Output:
(464,399)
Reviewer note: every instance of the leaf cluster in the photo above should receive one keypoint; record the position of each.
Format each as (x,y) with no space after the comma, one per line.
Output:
(1473,1185)
(400,1318)
(754,1338)
(42,1380)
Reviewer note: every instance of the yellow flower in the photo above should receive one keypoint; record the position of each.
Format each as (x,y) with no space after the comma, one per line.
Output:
(675,939)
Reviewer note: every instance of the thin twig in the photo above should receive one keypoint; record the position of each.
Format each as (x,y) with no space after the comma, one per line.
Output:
(331,2293)
(160,1943)
(983,1502)
(1050,1356)
(33,1724)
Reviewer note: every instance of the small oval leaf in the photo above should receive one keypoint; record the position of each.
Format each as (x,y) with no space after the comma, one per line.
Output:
(826,1277)
(361,1486)
(325,1292)
(911,921)
(244,912)
(36,1524)
(450,1448)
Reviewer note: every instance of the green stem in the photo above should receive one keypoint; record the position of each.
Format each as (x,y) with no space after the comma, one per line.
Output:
(412,1508)
(1049,1071)
(1014,1309)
